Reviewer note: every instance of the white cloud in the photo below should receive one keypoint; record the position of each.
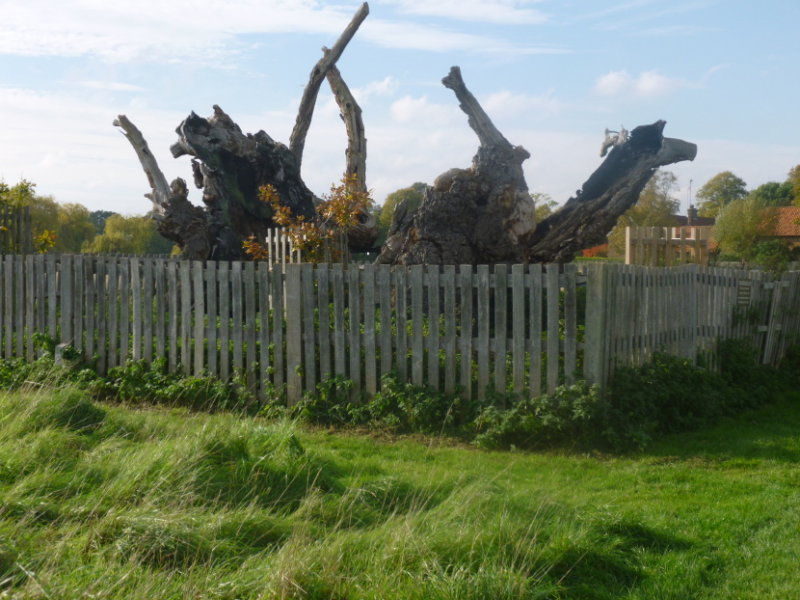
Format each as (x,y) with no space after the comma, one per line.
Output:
(647,84)
(615,10)
(380,88)
(675,31)
(70,149)
(507,104)
(420,110)
(511,12)
(207,30)
(111,86)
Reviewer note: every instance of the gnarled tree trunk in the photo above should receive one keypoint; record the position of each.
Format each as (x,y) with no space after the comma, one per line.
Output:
(231,166)
(484,214)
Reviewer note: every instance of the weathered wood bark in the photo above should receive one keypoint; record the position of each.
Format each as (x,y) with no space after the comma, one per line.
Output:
(484,214)
(350,112)
(586,219)
(361,237)
(178,220)
(230,167)
(297,140)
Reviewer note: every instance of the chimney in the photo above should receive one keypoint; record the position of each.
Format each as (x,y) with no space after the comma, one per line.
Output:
(691,215)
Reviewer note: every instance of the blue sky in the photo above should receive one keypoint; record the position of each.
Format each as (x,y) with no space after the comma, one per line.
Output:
(551,74)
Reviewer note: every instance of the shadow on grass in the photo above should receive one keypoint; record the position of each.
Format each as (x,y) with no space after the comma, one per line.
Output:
(611,565)
(767,433)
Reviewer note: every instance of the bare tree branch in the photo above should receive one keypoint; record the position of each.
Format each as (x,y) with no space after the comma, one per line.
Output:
(177,219)
(350,111)
(158,183)
(305,112)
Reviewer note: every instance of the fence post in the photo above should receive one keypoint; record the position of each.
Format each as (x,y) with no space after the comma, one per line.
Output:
(595,356)
(294,342)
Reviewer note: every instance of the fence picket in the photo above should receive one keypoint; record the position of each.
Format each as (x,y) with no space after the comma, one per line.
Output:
(184,272)
(264,338)
(124,311)
(355,320)
(399,277)
(309,341)
(370,366)
(553,341)
(136,299)
(385,302)
(250,308)
(90,293)
(161,299)
(173,295)
(30,304)
(535,342)
(483,320)
(432,343)
(66,299)
(449,340)
(294,333)
(52,293)
(518,327)
(324,316)
(199,312)
(223,273)
(500,327)
(103,301)
(279,372)
(6,308)
(570,323)
(237,311)
(213,316)
(416,281)
(339,356)
(465,338)
(147,309)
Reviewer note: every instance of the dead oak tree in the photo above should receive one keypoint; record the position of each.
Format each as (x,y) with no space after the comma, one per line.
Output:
(484,214)
(231,166)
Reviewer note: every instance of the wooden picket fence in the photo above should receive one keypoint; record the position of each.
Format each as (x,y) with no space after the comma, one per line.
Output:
(667,246)
(15,230)
(280,249)
(457,329)
(633,312)
(295,325)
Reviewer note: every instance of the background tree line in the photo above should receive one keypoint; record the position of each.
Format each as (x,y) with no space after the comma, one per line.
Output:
(73,228)
(743,229)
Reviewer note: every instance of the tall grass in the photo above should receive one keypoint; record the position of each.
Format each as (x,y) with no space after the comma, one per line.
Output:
(108,502)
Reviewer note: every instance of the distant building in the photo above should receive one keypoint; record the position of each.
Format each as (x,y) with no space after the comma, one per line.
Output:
(787,225)
(691,219)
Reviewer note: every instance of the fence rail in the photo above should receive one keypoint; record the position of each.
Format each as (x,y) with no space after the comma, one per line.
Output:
(518,328)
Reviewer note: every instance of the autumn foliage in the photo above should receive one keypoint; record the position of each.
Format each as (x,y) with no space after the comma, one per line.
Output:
(323,238)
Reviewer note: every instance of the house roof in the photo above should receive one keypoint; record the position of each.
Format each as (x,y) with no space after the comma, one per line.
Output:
(787,222)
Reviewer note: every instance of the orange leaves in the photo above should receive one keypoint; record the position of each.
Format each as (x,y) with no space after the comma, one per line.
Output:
(323,238)
(44,241)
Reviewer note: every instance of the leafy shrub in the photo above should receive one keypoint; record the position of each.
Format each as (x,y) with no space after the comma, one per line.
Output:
(404,407)
(400,407)
(331,405)
(670,394)
(567,417)
(140,382)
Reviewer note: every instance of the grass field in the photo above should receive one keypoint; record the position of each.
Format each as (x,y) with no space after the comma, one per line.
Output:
(105,502)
